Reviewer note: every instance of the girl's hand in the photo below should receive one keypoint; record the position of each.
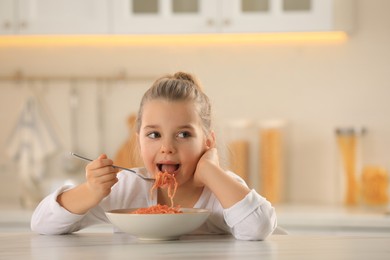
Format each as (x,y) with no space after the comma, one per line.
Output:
(209,173)
(206,162)
(101,176)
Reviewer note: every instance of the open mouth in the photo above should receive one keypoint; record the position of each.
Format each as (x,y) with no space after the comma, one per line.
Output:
(169,168)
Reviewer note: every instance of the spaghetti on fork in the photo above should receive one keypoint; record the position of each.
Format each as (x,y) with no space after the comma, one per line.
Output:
(163,180)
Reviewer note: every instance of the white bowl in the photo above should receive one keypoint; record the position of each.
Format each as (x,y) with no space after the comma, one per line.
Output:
(158,226)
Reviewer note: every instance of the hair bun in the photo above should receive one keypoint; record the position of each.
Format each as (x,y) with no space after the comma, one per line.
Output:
(184,76)
(190,78)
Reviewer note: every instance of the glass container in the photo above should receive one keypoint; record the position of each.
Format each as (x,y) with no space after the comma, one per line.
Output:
(349,143)
(239,136)
(272,159)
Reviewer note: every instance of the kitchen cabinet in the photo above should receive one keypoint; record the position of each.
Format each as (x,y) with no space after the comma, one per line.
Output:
(7,16)
(54,16)
(164,16)
(170,16)
(276,15)
(228,16)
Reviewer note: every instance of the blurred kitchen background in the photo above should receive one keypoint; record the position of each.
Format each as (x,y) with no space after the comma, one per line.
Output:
(72,74)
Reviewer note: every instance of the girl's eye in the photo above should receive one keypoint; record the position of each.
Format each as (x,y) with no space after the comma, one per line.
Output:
(184,135)
(153,135)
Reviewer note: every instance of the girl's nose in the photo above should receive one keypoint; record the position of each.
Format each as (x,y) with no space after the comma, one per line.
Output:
(167,147)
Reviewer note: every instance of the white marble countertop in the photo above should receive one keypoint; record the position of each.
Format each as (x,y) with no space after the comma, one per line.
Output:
(105,245)
(98,242)
(332,219)
(296,219)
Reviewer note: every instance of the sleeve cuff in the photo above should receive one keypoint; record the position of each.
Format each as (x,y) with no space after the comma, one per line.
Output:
(56,207)
(243,208)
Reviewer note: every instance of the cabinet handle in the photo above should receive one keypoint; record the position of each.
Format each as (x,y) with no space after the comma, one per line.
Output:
(210,22)
(6,25)
(227,22)
(23,25)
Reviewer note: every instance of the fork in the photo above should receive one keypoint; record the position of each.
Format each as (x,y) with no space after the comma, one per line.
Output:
(115,166)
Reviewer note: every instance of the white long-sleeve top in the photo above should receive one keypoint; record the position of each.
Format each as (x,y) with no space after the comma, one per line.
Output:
(252,218)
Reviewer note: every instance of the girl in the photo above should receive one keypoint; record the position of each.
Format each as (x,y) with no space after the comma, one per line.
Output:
(175,136)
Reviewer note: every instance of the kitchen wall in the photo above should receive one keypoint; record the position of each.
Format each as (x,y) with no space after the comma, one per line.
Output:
(315,87)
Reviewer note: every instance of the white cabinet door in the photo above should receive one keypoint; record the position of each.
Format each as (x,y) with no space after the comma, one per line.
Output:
(276,15)
(7,17)
(218,16)
(63,16)
(164,16)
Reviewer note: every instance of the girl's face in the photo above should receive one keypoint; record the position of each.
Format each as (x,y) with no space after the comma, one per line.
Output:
(171,138)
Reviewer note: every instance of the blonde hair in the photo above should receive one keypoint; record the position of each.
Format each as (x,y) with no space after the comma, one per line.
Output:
(180,86)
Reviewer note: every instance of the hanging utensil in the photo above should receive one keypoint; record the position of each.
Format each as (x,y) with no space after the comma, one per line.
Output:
(70,165)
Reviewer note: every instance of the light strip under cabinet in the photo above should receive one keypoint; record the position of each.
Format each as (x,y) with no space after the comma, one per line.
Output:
(157,40)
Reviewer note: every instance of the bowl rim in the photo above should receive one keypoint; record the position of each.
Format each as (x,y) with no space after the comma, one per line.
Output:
(192,217)
(128,211)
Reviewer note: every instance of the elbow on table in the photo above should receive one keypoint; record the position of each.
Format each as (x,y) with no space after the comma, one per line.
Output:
(257,234)
(265,227)
(44,228)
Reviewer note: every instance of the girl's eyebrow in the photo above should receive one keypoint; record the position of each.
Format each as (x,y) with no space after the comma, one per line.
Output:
(150,126)
(189,126)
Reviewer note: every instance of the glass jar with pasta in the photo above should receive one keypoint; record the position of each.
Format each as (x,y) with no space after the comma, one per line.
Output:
(349,143)
(374,186)
(239,141)
(272,144)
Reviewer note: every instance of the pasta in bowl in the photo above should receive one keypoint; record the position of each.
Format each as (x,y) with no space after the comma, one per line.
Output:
(158,226)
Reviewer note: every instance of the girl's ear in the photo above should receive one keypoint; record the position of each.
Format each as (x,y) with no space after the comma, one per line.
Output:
(210,141)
